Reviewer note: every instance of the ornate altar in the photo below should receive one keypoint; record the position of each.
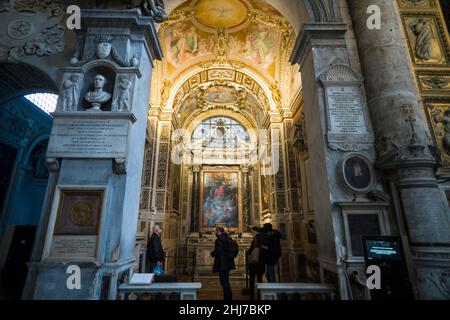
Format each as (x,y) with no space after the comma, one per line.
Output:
(202,263)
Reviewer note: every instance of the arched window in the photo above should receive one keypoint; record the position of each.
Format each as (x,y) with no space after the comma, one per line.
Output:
(45,101)
(220,133)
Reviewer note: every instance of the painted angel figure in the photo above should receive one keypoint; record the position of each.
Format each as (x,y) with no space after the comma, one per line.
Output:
(69,95)
(121,102)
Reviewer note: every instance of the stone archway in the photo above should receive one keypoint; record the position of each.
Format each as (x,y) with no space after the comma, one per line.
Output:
(19,79)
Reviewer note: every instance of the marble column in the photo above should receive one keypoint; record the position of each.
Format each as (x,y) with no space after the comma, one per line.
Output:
(404,148)
(321,47)
(96,153)
(246,201)
(195,199)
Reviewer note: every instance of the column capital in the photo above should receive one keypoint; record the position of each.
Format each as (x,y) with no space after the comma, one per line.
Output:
(318,34)
(195,168)
(246,168)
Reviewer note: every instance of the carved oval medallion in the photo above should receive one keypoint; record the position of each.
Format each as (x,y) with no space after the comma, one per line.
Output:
(81,213)
(20,29)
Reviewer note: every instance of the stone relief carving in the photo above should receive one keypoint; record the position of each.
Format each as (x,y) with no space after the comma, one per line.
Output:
(436,83)
(48,42)
(437,280)
(134,61)
(5,5)
(440,116)
(122,100)
(27,36)
(98,97)
(340,72)
(20,29)
(53,8)
(104,50)
(424,37)
(155,9)
(414,2)
(103,47)
(69,93)
(358,281)
(415,146)
(385,146)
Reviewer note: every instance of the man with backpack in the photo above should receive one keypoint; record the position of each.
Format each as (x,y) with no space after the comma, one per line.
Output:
(225,251)
(274,252)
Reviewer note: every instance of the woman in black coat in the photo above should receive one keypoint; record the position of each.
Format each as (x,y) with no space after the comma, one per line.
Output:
(257,270)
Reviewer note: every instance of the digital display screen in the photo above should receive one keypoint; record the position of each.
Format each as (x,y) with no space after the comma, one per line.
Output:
(383,250)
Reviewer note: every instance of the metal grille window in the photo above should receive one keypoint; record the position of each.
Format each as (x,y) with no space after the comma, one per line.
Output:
(45,101)
(220,133)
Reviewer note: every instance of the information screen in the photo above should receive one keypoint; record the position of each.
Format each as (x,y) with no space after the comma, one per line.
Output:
(387,253)
(383,250)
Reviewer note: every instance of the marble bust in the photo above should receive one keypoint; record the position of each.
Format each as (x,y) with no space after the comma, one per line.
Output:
(98,97)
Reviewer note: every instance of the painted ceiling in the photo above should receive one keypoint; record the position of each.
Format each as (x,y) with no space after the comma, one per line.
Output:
(225,35)
(251,31)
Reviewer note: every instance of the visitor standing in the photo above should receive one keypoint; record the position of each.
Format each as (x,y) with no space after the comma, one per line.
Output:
(223,255)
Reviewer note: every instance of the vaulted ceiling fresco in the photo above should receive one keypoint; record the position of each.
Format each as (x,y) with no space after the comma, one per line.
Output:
(243,44)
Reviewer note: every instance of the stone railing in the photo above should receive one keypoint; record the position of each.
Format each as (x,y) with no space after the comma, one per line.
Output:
(296,291)
(162,291)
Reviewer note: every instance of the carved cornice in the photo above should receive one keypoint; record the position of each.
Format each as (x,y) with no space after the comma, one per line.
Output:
(313,34)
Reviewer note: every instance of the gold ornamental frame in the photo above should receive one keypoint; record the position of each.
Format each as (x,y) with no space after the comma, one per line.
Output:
(218,170)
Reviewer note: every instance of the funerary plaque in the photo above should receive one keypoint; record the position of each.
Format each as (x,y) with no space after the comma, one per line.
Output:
(345,107)
(77,224)
(88,138)
(73,247)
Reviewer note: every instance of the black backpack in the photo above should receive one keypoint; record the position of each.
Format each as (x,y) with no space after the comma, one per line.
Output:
(232,249)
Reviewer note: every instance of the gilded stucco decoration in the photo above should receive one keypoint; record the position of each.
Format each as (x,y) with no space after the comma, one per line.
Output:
(439,116)
(428,43)
(245,42)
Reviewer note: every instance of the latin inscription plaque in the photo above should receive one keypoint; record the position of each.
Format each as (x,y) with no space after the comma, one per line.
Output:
(89,138)
(346,112)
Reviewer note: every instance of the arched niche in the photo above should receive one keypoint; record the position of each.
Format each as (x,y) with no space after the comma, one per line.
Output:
(20,79)
(110,77)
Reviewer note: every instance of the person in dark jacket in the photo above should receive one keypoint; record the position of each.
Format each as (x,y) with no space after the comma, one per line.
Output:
(155,252)
(256,269)
(222,263)
(274,252)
